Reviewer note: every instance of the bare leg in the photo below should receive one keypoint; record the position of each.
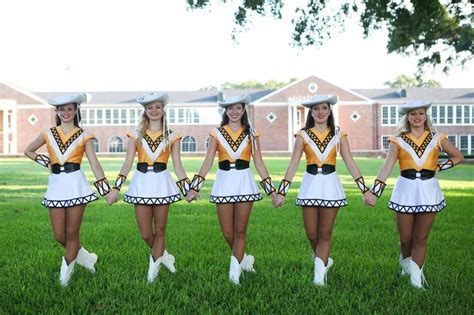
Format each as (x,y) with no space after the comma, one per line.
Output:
(241,219)
(73,225)
(405,224)
(144,217)
(160,217)
(421,231)
(225,213)
(310,221)
(58,224)
(326,219)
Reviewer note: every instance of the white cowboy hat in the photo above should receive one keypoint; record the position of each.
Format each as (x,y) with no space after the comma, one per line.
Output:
(77,98)
(319,99)
(403,109)
(239,99)
(153,97)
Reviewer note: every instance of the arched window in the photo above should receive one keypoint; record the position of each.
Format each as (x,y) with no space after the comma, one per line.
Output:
(95,144)
(115,144)
(188,144)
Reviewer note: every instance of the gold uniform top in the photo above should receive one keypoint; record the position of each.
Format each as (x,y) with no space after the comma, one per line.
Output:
(68,147)
(320,148)
(419,153)
(152,147)
(233,145)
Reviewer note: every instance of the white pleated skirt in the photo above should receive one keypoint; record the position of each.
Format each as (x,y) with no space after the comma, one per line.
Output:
(234,186)
(417,196)
(321,191)
(152,189)
(68,190)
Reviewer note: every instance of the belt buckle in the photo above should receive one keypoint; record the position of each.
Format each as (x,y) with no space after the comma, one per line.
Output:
(61,168)
(232,165)
(418,175)
(320,170)
(149,169)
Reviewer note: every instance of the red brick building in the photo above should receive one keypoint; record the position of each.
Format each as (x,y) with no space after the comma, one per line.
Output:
(369,116)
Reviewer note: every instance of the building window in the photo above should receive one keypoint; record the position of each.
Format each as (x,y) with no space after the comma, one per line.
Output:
(171,115)
(115,144)
(95,144)
(123,116)
(116,114)
(390,115)
(180,115)
(466,144)
(108,116)
(312,87)
(385,142)
(91,115)
(453,139)
(188,144)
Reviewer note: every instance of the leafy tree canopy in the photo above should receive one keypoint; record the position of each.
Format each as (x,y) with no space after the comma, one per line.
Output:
(438,32)
(250,84)
(404,81)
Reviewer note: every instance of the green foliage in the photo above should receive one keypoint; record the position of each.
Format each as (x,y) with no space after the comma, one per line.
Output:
(404,81)
(439,33)
(251,84)
(365,277)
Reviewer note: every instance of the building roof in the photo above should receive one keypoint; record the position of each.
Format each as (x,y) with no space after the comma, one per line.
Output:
(200,96)
(438,95)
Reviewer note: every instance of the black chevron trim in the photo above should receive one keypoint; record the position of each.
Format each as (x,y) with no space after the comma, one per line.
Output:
(70,202)
(233,199)
(321,203)
(417,209)
(152,201)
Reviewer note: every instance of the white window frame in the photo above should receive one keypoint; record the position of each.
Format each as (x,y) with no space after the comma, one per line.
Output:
(389,118)
(381,142)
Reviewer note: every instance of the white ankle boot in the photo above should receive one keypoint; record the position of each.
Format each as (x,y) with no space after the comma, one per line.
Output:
(66,271)
(86,259)
(153,268)
(168,261)
(405,264)
(417,277)
(235,270)
(320,271)
(247,263)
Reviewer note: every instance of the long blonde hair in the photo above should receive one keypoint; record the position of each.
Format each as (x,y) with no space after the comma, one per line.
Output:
(404,125)
(144,124)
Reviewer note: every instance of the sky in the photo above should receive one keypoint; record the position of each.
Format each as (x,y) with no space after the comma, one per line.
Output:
(65,45)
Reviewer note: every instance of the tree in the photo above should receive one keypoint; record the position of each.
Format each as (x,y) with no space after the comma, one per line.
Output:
(251,84)
(404,81)
(438,32)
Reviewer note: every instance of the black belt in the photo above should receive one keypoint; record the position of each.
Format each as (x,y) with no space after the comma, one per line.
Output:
(325,169)
(67,167)
(156,167)
(413,174)
(238,165)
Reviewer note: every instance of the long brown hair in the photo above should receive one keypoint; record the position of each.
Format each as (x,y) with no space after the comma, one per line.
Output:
(77,115)
(310,120)
(244,120)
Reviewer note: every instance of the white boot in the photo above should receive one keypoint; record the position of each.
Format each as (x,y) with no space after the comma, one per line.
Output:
(405,264)
(168,261)
(416,275)
(235,270)
(247,263)
(86,259)
(320,271)
(66,271)
(153,268)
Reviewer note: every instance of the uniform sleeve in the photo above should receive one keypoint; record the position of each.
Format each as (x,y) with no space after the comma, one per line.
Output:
(393,139)
(213,134)
(342,134)
(44,134)
(299,133)
(442,136)
(133,135)
(88,136)
(175,137)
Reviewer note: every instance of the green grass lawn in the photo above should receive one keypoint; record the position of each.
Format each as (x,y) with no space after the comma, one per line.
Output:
(365,277)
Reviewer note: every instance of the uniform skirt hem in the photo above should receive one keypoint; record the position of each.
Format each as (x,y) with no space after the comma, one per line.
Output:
(235,199)
(69,203)
(152,201)
(321,203)
(416,209)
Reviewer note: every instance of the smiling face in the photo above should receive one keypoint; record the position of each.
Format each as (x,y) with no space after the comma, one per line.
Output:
(235,112)
(154,111)
(417,117)
(320,113)
(66,112)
